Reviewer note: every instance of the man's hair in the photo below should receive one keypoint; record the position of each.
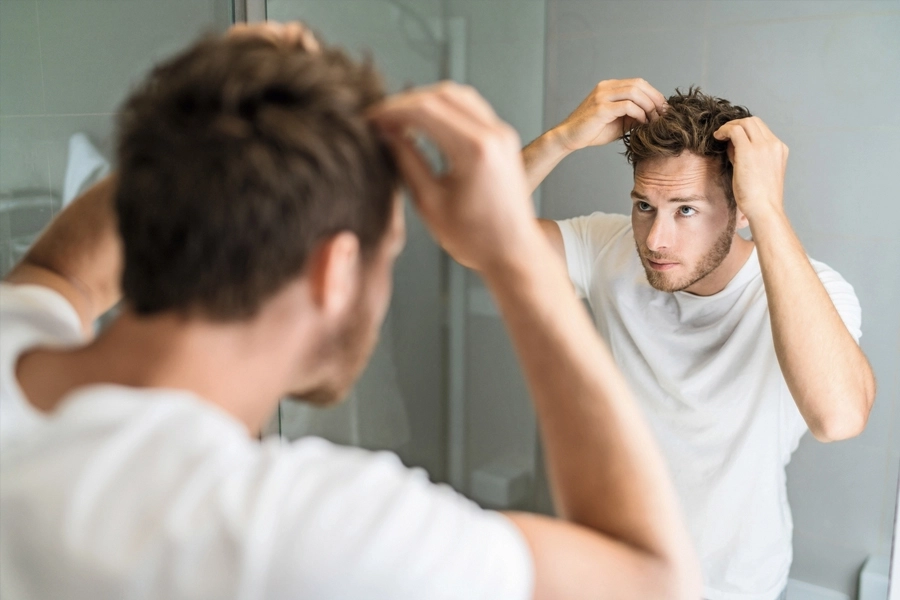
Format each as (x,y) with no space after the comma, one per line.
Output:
(235,159)
(687,125)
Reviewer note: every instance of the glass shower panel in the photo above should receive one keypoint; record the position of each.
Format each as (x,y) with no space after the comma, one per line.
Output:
(399,402)
(65,66)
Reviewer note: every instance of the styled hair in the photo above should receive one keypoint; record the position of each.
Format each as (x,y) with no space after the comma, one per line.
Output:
(687,125)
(236,157)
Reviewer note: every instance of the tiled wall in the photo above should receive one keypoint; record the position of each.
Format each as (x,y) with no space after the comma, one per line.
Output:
(826,77)
(65,65)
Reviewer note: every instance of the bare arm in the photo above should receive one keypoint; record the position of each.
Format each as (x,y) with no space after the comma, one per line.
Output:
(826,371)
(624,537)
(554,237)
(609,111)
(79,255)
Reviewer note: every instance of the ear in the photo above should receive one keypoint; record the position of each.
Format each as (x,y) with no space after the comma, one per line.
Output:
(334,273)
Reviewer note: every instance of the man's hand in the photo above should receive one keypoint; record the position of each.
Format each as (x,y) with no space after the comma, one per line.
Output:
(759,160)
(479,209)
(610,110)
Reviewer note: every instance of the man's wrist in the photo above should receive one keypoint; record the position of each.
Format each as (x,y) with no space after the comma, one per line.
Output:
(557,142)
(524,254)
(764,211)
(768,223)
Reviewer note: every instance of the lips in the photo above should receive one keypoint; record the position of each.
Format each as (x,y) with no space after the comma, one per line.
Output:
(661,266)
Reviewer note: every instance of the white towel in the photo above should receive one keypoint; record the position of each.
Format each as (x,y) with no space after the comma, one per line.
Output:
(85,166)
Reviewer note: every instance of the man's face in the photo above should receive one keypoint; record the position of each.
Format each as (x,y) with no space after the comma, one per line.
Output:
(346,353)
(683,225)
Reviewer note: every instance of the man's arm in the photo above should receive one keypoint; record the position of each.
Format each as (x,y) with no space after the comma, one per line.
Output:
(827,373)
(625,537)
(554,236)
(79,255)
(610,110)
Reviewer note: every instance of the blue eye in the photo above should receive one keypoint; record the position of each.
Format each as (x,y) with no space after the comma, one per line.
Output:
(686,211)
(644,207)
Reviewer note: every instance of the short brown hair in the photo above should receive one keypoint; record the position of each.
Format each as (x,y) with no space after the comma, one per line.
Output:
(687,125)
(235,159)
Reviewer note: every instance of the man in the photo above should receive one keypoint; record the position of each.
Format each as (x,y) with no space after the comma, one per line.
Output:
(258,222)
(734,347)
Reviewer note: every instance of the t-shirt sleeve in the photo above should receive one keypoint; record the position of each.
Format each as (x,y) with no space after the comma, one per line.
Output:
(583,239)
(843,296)
(41,309)
(30,316)
(347,523)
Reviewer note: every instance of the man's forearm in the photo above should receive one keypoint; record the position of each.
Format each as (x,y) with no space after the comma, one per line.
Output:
(826,372)
(604,468)
(541,156)
(79,255)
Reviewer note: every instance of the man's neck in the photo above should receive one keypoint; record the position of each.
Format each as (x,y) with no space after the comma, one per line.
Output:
(234,366)
(716,281)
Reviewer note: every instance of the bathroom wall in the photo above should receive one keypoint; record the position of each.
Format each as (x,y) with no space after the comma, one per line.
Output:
(826,77)
(65,65)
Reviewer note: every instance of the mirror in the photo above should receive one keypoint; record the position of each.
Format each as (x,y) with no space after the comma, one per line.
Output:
(444,390)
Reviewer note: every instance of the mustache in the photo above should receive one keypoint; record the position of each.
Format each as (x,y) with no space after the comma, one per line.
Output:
(655,256)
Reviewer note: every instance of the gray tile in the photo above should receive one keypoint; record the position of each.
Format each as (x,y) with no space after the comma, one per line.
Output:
(837,185)
(577,18)
(416,307)
(94,52)
(827,564)
(822,73)
(500,420)
(519,22)
(836,490)
(21,90)
(23,154)
(887,541)
(580,63)
(397,42)
(750,11)
(590,180)
(510,77)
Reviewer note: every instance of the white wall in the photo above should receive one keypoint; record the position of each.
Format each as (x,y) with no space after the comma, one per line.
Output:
(826,77)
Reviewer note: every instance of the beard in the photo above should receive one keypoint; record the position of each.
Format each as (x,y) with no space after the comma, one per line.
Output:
(345,353)
(706,265)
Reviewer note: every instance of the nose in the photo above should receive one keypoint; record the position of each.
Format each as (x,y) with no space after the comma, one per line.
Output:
(659,237)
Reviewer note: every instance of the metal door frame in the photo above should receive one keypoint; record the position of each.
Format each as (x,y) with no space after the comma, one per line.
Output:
(249,11)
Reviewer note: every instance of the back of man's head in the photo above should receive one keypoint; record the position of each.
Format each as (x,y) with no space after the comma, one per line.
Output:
(236,158)
(687,126)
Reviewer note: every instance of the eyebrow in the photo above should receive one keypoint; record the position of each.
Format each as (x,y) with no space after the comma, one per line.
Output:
(683,200)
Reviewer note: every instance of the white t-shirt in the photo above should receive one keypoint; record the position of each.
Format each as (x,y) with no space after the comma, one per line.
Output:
(153,493)
(705,373)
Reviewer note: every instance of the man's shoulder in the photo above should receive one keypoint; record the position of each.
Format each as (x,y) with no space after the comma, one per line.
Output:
(32,310)
(597,230)
(599,221)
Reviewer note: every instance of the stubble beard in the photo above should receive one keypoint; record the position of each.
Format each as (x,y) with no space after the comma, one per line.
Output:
(709,263)
(349,351)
